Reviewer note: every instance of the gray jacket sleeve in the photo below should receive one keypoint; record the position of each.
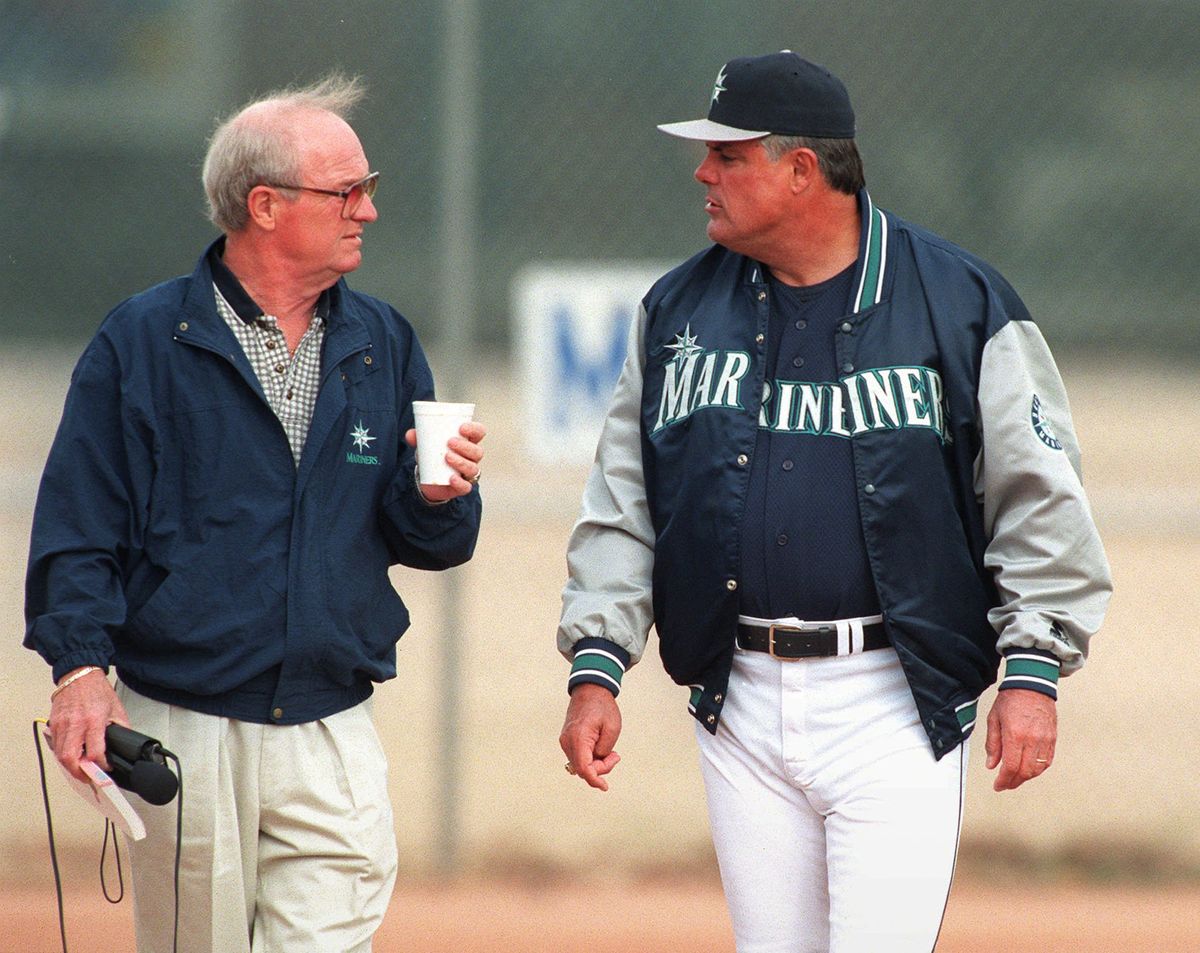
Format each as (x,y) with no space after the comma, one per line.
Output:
(607,611)
(1044,550)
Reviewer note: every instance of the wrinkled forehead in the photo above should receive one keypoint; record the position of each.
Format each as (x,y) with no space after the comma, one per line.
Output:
(313,133)
(734,147)
(324,140)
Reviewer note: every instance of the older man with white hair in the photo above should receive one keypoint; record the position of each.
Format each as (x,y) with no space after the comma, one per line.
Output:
(232,479)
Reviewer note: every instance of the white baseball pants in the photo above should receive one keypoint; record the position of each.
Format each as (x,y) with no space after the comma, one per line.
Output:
(288,843)
(835,829)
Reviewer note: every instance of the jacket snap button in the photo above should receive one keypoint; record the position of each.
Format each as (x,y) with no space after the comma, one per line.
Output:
(711,719)
(847,367)
(762,296)
(183,325)
(731,585)
(277,713)
(367,359)
(847,327)
(742,459)
(717,697)
(869,488)
(758,339)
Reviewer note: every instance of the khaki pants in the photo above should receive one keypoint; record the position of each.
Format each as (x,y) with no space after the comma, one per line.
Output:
(288,843)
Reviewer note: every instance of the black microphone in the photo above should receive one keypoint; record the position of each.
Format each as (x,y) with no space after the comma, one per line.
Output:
(137,765)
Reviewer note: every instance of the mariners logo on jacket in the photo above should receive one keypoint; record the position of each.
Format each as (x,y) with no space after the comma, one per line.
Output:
(889,398)
(361,437)
(1041,425)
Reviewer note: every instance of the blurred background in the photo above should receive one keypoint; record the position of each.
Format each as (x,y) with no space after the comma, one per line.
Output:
(1058,141)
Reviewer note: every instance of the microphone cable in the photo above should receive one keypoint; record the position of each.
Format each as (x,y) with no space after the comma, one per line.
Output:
(58,890)
(109,826)
(37,743)
(178,842)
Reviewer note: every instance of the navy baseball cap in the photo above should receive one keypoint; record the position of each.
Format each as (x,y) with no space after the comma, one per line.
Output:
(780,93)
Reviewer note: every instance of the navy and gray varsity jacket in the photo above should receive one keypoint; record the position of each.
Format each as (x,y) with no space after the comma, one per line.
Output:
(978,533)
(175,538)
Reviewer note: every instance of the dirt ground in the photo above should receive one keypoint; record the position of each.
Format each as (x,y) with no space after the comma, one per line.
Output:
(659,917)
(1122,797)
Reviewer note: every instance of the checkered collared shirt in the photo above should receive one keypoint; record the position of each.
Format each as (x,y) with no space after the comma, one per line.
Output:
(290,383)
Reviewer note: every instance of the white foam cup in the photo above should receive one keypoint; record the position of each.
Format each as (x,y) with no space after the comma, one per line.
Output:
(437,421)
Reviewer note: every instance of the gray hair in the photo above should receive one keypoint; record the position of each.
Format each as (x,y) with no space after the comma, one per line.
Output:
(256,145)
(838,159)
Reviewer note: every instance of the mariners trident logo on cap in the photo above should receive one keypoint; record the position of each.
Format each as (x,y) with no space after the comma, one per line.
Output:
(780,93)
(718,86)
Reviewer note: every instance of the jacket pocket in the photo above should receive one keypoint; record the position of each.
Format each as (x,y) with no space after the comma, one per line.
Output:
(189,612)
(366,645)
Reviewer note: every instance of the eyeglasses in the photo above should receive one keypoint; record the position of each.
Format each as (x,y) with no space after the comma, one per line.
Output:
(351,196)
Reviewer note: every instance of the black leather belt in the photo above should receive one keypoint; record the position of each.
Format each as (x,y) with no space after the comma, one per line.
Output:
(788,642)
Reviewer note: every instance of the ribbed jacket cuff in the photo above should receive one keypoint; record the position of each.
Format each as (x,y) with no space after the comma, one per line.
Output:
(78,659)
(598,662)
(1034,669)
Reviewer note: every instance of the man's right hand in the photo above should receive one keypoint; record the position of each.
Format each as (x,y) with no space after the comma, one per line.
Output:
(592,727)
(79,714)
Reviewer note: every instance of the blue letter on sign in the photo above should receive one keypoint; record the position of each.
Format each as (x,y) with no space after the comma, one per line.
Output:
(591,377)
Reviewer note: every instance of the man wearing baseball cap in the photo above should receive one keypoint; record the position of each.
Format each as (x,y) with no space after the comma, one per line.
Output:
(840,479)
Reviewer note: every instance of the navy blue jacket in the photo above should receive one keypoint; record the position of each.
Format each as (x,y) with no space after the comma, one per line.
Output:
(175,538)
(966,476)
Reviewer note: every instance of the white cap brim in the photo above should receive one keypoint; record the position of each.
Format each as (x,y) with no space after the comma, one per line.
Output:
(705,130)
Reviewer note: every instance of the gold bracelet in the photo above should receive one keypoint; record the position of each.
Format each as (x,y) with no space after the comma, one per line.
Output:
(74,677)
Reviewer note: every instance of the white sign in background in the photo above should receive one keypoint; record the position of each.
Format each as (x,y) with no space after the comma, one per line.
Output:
(573,330)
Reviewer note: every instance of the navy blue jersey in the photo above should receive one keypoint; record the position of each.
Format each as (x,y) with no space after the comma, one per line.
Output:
(803,552)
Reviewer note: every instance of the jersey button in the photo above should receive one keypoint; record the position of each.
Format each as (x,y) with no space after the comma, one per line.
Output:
(869,489)
(847,367)
(781,539)
(731,585)
(758,339)
(797,362)
(847,327)
(801,324)
(787,465)
(742,459)
(277,713)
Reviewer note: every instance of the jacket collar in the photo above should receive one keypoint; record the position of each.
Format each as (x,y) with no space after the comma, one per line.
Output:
(872,276)
(244,306)
(201,309)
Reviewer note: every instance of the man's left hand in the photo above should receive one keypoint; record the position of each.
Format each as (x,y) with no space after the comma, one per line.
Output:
(1022,728)
(464,457)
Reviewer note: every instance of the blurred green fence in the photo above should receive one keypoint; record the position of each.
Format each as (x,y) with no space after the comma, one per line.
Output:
(1057,140)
